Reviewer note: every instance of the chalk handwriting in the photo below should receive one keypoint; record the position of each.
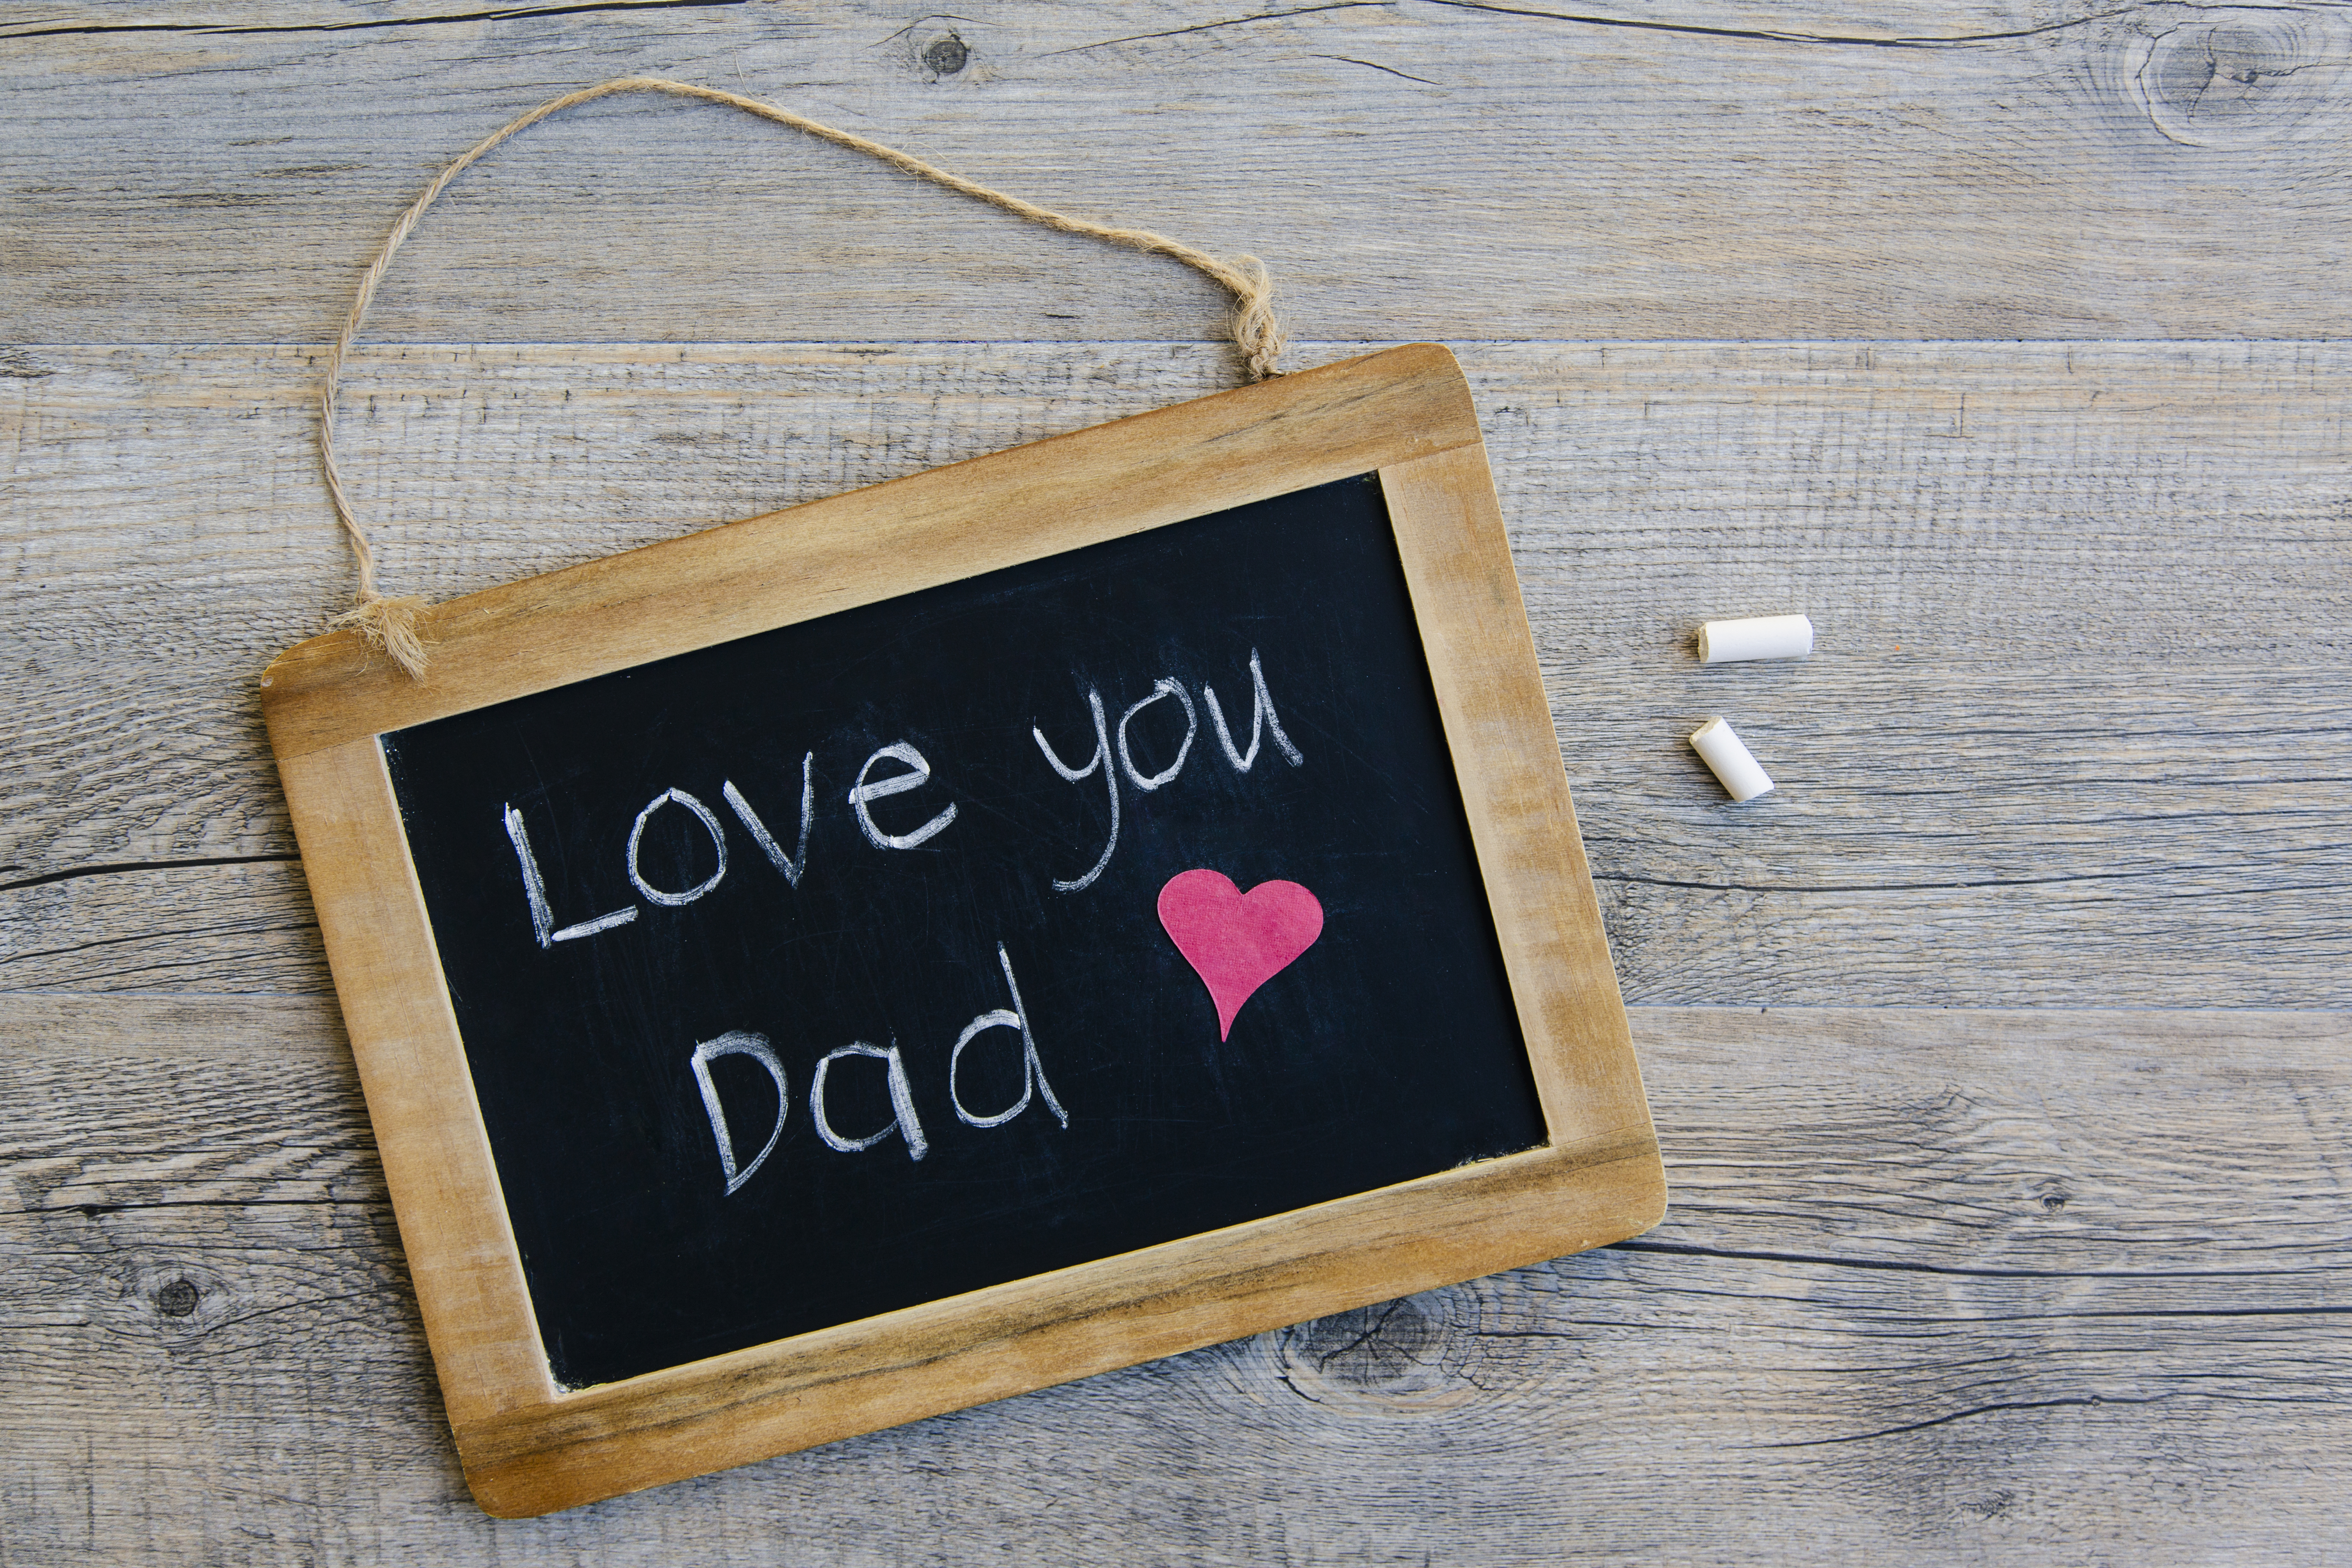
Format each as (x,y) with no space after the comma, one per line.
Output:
(756,1046)
(903,1120)
(710,825)
(896,784)
(1032,1071)
(1264,720)
(1114,754)
(1110,781)
(534,889)
(1162,688)
(1261,708)
(791,866)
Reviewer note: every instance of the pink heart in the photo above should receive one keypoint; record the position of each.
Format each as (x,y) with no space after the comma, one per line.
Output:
(1237,942)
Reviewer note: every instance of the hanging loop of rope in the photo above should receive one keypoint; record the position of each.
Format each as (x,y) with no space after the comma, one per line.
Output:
(390,623)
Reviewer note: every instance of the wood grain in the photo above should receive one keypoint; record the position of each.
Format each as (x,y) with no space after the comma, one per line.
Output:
(2025,1287)
(1938,1286)
(396,1006)
(1051,1329)
(2074,733)
(1709,169)
(1481,667)
(912,533)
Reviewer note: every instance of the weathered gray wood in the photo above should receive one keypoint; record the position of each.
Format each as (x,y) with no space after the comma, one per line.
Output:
(2076,733)
(1421,169)
(1939,1286)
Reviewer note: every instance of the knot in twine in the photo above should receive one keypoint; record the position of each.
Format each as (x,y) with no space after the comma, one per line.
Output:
(390,623)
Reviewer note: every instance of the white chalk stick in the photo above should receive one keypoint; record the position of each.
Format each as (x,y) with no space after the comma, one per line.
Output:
(1733,764)
(1760,637)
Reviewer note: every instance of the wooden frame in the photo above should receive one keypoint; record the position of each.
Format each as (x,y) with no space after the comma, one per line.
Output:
(530,1448)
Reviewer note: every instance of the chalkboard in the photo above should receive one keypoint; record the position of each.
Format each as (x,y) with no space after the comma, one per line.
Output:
(1031,917)
(1256,680)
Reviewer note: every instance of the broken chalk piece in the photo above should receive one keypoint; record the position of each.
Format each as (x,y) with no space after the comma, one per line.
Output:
(1760,637)
(1733,763)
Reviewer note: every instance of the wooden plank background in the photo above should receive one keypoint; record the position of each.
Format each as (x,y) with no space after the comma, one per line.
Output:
(2000,1059)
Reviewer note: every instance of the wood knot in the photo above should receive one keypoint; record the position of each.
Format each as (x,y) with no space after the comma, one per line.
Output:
(2236,78)
(935,48)
(1371,1347)
(172,1299)
(1408,1354)
(947,55)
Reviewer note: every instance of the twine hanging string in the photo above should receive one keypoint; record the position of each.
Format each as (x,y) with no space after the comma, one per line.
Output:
(390,623)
